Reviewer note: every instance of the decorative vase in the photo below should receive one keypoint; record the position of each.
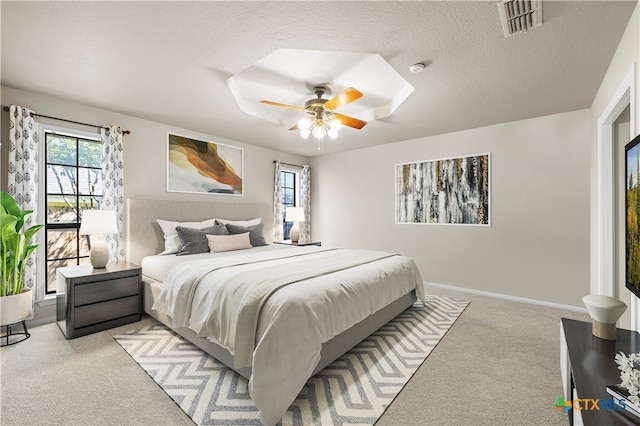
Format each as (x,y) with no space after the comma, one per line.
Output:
(15,308)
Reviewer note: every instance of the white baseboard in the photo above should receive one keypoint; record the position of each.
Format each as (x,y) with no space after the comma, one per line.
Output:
(508,297)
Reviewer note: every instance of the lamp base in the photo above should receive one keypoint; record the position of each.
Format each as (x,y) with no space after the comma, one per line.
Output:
(294,233)
(603,330)
(99,254)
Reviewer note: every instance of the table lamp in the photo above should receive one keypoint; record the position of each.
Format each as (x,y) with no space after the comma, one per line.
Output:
(100,223)
(295,215)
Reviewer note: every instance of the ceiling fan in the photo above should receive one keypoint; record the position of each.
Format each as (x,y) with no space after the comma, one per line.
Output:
(323,120)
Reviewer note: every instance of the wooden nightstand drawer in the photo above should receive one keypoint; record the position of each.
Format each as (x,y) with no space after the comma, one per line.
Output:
(105,290)
(106,311)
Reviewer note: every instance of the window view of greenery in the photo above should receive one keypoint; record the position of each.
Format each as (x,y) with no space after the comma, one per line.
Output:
(74,183)
(288,180)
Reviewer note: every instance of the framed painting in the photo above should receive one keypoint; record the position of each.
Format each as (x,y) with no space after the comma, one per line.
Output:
(451,191)
(203,167)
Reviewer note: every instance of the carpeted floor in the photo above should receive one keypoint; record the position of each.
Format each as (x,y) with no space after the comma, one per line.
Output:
(497,365)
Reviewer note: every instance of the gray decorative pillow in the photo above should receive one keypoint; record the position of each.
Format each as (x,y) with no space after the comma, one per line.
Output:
(195,240)
(256,233)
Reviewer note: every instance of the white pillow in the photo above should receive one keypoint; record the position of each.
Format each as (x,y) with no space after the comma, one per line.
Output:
(244,223)
(220,243)
(172,242)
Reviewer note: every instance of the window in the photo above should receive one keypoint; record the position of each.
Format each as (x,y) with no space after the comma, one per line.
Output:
(289,179)
(74,182)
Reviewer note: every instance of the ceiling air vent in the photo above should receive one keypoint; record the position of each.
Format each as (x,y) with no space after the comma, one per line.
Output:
(518,16)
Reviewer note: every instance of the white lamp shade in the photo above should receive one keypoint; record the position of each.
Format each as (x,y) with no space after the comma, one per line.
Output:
(98,222)
(294,214)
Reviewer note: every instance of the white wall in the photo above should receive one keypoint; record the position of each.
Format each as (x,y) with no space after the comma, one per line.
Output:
(538,244)
(144,156)
(627,53)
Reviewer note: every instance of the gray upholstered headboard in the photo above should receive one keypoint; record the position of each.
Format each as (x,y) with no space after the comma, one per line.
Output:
(145,238)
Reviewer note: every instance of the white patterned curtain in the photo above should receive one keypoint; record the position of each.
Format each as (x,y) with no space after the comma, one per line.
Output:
(22,178)
(278,224)
(305,203)
(113,186)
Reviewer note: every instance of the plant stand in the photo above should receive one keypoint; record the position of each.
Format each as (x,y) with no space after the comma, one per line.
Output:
(5,337)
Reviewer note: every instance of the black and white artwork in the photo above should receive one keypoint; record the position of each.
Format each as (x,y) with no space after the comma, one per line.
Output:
(453,191)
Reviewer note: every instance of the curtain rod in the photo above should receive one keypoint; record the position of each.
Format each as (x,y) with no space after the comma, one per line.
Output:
(126,132)
(288,164)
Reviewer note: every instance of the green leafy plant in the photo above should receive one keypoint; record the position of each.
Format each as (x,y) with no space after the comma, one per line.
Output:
(14,245)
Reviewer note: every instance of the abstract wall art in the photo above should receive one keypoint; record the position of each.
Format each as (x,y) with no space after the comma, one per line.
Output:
(453,191)
(203,167)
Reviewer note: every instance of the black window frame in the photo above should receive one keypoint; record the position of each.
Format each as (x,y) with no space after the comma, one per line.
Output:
(287,225)
(77,196)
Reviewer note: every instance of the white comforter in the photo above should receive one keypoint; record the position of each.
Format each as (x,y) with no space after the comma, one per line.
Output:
(295,320)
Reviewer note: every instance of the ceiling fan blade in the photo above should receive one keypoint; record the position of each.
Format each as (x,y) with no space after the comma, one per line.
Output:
(347,96)
(281,105)
(295,127)
(350,121)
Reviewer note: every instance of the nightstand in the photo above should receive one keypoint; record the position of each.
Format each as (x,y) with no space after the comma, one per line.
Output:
(291,243)
(90,299)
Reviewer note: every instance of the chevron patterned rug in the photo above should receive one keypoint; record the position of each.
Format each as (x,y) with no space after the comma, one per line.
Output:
(355,389)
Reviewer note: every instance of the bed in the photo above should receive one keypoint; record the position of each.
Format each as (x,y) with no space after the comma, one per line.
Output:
(326,301)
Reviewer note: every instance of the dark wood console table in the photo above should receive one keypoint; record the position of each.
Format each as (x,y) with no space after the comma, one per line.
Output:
(588,366)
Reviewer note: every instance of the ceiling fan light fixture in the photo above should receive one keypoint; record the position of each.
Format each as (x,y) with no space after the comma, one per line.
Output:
(305,124)
(304,133)
(335,124)
(322,120)
(319,132)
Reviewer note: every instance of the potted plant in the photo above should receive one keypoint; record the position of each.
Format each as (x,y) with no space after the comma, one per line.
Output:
(15,251)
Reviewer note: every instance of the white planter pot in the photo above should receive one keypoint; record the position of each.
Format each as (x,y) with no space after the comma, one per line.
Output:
(15,308)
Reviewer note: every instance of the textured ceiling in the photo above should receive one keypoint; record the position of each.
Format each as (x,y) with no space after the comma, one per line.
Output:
(169,61)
